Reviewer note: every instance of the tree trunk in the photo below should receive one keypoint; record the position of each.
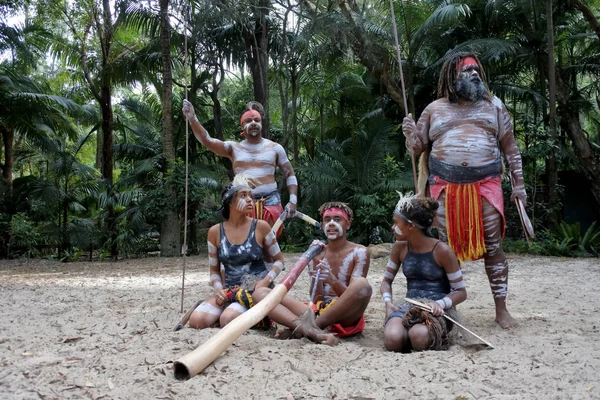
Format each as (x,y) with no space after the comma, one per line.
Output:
(551,167)
(258,60)
(570,123)
(170,241)
(294,78)
(8,137)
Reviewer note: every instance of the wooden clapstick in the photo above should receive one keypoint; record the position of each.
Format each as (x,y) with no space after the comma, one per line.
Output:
(427,308)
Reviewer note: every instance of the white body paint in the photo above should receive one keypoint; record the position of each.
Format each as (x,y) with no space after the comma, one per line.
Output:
(397,230)
(241,205)
(259,161)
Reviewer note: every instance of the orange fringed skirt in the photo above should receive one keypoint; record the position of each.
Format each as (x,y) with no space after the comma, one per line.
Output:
(464,213)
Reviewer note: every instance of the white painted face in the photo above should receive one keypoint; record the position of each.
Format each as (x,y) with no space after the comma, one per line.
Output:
(333,226)
(333,230)
(244,200)
(252,126)
(396,227)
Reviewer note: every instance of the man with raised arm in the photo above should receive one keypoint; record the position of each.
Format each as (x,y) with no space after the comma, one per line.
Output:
(254,156)
(464,133)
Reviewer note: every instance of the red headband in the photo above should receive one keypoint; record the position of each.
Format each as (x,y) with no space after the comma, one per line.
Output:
(336,211)
(250,114)
(465,61)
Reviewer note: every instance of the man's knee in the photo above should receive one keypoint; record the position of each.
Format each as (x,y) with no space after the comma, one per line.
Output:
(361,288)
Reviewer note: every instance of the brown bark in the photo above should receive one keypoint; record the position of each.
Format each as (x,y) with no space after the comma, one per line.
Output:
(8,137)
(551,164)
(170,240)
(570,123)
(258,60)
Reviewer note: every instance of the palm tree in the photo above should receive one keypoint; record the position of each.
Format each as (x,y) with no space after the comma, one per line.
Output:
(360,171)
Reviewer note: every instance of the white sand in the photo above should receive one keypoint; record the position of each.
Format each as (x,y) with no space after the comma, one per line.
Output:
(105,331)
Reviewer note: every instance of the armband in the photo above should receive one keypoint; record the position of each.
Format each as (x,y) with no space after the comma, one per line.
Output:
(392,265)
(445,303)
(388,275)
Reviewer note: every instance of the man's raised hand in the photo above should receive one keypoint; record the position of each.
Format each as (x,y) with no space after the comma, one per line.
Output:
(188,111)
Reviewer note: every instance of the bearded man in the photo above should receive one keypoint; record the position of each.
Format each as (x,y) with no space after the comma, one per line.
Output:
(464,133)
(256,157)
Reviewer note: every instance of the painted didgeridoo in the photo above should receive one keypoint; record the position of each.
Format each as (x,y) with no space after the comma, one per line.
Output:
(308,219)
(196,361)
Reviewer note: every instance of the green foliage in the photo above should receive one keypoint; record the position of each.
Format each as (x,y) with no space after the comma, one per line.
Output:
(24,234)
(360,171)
(566,241)
(569,239)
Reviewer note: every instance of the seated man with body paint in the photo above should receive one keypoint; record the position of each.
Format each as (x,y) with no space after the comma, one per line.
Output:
(237,248)
(342,290)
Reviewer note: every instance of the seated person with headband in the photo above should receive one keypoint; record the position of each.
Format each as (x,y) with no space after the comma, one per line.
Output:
(236,252)
(433,276)
(342,290)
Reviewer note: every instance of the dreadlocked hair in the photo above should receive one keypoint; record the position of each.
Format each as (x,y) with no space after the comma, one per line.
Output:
(418,209)
(448,76)
(255,105)
(337,204)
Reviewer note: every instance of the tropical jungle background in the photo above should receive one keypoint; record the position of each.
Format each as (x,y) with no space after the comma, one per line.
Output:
(93,152)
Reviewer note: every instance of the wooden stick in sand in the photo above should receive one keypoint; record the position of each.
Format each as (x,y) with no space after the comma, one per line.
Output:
(195,362)
(427,308)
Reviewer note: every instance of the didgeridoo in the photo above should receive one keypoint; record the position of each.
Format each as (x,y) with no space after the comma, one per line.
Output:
(308,219)
(279,221)
(194,362)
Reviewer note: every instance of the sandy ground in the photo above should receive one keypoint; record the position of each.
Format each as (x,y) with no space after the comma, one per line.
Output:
(105,331)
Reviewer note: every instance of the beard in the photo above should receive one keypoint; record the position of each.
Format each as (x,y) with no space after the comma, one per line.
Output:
(471,88)
(256,129)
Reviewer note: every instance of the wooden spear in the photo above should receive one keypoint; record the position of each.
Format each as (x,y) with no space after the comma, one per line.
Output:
(396,42)
(195,362)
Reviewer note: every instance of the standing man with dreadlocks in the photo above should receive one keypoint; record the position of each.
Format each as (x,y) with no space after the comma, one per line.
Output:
(255,156)
(463,134)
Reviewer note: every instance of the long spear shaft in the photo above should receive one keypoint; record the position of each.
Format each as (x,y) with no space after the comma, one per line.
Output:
(395,29)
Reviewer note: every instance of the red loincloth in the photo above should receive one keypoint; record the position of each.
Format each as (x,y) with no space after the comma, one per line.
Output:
(341,331)
(489,188)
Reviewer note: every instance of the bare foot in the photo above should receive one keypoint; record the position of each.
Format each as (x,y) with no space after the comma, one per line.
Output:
(505,320)
(284,333)
(328,339)
(317,334)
